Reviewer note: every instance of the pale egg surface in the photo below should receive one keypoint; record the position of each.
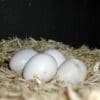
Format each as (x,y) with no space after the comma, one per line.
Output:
(59,57)
(82,68)
(42,66)
(20,58)
(68,72)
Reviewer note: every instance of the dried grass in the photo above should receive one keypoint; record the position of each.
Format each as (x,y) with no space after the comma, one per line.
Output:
(14,87)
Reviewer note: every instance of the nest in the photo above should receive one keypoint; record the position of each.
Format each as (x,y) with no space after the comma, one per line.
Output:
(14,87)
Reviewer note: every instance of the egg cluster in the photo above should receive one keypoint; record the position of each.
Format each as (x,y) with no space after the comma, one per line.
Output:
(47,65)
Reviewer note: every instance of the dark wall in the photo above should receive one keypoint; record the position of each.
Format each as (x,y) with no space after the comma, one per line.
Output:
(28,15)
(70,21)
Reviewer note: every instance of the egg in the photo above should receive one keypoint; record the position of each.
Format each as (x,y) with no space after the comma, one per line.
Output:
(42,66)
(59,57)
(20,58)
(81,66)
(73,71)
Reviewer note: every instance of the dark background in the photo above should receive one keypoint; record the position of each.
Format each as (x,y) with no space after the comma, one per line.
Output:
(73,22)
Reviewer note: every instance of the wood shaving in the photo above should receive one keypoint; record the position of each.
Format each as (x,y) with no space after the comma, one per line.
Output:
(14,87)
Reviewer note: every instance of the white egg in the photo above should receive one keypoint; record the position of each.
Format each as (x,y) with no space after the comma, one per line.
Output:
(59,57)
(72,72)
(42,66)
(82,68)
(20,58)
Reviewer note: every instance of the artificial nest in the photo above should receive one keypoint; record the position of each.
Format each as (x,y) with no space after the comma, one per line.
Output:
(14,87)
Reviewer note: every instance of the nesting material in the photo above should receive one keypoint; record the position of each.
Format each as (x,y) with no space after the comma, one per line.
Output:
(14,87)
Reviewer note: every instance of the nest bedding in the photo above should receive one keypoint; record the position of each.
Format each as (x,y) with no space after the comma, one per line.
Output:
(14,87)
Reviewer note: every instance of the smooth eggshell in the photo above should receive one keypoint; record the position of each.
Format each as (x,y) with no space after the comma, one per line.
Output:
(59,57)
(20,58)
(42,66)
(69,72)
(82,68)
